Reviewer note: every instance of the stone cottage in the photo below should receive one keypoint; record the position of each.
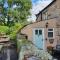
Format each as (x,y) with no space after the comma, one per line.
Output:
(45,31)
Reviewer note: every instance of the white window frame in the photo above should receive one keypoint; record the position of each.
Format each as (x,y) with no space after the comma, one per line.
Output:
(51,31)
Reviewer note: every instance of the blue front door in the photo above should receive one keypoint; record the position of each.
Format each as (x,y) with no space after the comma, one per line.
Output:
(38,38)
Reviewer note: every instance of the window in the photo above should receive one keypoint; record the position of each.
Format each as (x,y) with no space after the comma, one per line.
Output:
(50,29)
(40,32)
(45,14)
(50,33)
(36,32)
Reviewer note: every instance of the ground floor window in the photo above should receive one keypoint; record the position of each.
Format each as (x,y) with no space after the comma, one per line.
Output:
(50,33)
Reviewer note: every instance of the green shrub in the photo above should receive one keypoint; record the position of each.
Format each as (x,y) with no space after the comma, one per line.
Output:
(22,42)
(4,29)
(14,29)
(11,31)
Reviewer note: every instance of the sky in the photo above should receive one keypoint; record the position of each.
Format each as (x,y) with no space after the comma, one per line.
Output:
(37,6)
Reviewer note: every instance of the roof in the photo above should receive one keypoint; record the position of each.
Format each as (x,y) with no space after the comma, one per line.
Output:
(45,8)
(24,26)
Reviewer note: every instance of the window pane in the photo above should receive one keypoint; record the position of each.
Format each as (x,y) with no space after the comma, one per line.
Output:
(36,32)
(50,29)
(40,32)
(50,34)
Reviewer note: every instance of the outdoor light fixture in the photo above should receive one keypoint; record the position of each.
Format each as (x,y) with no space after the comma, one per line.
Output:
(46,39)
(46,24)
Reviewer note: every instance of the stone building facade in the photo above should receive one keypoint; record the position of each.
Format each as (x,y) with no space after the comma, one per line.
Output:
(45,31)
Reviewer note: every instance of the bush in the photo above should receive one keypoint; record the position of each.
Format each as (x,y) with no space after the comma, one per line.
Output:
(4,29)
(14,29)
(49,49)
(22,42)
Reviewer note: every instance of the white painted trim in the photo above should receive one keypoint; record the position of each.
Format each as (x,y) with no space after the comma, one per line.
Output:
(44,44)
(53,33)
(44,47)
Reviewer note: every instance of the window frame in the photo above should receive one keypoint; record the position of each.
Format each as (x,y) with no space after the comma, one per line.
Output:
(38,32)
(45,15)
(51,31)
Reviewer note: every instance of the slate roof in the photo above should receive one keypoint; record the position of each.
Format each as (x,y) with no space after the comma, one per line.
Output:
(37,15)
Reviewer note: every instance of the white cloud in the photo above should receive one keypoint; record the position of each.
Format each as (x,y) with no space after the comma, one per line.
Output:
(14,6)
(38,6)
(32,18)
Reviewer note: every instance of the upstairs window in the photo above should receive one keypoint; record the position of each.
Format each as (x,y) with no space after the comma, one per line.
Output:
(45,14)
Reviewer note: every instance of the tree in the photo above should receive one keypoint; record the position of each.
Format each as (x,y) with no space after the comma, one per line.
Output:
(16,11)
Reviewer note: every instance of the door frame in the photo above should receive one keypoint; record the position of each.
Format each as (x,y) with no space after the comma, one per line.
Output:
(44,47)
